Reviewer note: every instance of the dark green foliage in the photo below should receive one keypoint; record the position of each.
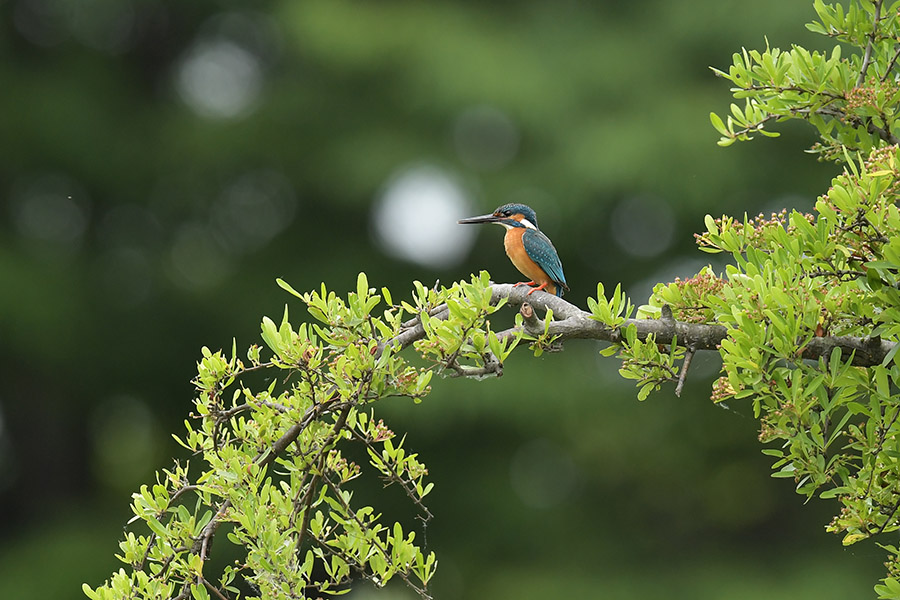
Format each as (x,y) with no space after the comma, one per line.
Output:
(796,279)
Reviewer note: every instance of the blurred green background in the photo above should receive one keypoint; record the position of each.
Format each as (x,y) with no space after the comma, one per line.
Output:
(163,162)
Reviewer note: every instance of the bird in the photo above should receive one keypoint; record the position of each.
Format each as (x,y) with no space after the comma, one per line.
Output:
(530,251)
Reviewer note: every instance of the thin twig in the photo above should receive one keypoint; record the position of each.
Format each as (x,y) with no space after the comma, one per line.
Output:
(684,369)
(840,274)
(339,425)
(790,88)
(306,506)
(867,59)
(393,478)
(212,588)
(881,132)
(204,542)
(492,366)
(890,516)
(150,543)
(890,66)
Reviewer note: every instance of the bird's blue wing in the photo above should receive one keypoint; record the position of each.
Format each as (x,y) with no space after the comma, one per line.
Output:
(540,249)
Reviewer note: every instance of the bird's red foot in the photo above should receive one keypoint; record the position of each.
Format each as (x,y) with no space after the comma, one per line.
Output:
(532,284)
(540,287)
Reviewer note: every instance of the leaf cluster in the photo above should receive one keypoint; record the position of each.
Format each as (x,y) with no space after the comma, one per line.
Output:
(832,427)
(796,280)
(850,100)
(269,466)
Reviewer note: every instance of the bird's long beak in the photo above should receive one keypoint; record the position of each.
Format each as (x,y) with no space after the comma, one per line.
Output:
(482,219)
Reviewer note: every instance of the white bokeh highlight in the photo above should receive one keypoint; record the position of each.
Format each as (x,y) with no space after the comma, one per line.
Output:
(415,217)
(643,226)
(219,79)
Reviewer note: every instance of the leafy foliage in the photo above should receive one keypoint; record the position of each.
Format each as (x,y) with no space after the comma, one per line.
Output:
(832,427)
(851,101)
(273,468)
(797,277)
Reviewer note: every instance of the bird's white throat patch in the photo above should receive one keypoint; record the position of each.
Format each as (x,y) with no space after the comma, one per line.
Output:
(528,224)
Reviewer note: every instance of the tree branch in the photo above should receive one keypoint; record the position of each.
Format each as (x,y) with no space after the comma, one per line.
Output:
(571,322)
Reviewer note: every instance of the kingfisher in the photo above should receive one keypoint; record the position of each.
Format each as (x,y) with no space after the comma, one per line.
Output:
(527,247)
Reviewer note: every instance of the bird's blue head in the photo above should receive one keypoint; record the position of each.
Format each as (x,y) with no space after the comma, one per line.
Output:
(509,215)
(513,210)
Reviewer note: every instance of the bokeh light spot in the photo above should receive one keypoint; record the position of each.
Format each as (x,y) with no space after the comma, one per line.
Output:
(643,226)
(41,22)
(253,209)
(197,260)
(219,79)
(49,208)
(415,217)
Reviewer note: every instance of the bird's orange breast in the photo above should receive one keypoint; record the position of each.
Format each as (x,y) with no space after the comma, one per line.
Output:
(515,250)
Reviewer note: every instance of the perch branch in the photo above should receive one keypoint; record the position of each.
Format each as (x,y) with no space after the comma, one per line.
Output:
(571,322)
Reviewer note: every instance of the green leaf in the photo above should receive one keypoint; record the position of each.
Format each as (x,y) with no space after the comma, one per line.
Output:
(610,350)
(882,386)
(287,287)
(270,334)
(892,353)
(362,286)
(199,592)
(156,527)
(716,121)
(852,538)
(873,278)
